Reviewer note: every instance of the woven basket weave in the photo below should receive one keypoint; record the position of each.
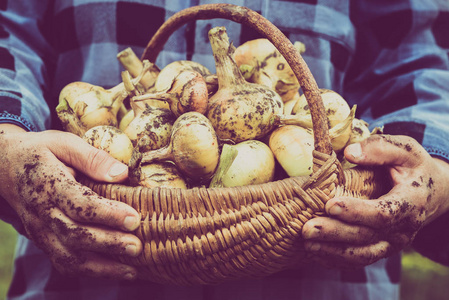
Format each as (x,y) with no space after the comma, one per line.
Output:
(210,235)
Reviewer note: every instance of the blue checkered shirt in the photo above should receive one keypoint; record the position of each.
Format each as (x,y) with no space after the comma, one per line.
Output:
(388,57)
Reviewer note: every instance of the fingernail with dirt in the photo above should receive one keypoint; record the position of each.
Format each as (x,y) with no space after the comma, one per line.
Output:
(312,233)
(335,210)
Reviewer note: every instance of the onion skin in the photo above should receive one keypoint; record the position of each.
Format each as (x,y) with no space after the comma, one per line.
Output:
(293,147)
(161,174)
(239,110)
(168,74)
(251,162)
(264,64)
(112,140)
(153,125)
(193,148)
(336,107)
(188,92)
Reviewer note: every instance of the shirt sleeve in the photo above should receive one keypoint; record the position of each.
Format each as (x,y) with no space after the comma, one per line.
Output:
(400,80)
(24,54)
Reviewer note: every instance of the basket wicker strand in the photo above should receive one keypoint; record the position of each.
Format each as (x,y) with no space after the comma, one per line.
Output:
(211,235)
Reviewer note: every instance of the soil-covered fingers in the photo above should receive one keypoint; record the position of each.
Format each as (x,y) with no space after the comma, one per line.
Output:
(83,205)
(390,213)
(76,236)
(386,150)
(45,184)
(332,230)
(75,152)
(76,261)
(343,256)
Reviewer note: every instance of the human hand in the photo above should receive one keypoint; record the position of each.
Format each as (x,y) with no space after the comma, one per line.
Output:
(359,232)
(76,228)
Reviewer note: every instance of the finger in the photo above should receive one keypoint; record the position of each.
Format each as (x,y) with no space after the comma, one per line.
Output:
(83,205)
(74,262)
(82,263)
(389,212)
(95,163)
(386,150)
(95,239)
(332,230)
(338,255)
(47,183)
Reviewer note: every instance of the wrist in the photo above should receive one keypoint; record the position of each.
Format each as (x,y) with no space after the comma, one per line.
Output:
(10,128)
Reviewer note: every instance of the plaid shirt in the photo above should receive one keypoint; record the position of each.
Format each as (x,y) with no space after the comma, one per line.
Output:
(388,57)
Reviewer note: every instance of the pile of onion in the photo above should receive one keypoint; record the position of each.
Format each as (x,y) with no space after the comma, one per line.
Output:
(182,126)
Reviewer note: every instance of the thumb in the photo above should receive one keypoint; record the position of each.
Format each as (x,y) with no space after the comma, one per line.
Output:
(393,150)
(95,163)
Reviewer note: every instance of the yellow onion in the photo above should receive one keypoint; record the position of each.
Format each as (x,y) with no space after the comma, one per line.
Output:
(157,174)
(125,120)
(188,92)
(150,128)
(293,147)
(193,148)
(239,110)
(249,162)
(110,139)
(260,62)
(288,106)
(336,107)
(92,105)
(168,74)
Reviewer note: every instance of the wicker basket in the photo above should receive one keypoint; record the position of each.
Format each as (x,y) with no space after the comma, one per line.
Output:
(207,236)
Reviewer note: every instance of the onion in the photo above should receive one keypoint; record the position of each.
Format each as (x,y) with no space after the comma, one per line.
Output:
(293,147)
(125,120)
(336,107)
(168,74)
(288,106)
(249,162)
(150,128)
(112,140)
(161,174)
(239,110)
(188,92)
(92,105)
(193,148)
(260,62)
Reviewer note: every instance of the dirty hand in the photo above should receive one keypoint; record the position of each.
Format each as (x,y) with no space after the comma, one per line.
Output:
(360,232)
(69,222)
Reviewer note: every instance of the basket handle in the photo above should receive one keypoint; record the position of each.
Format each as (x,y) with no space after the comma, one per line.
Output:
(248,17)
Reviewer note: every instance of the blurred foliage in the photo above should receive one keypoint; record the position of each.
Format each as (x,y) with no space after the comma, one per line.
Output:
(422,279)
(8,238)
